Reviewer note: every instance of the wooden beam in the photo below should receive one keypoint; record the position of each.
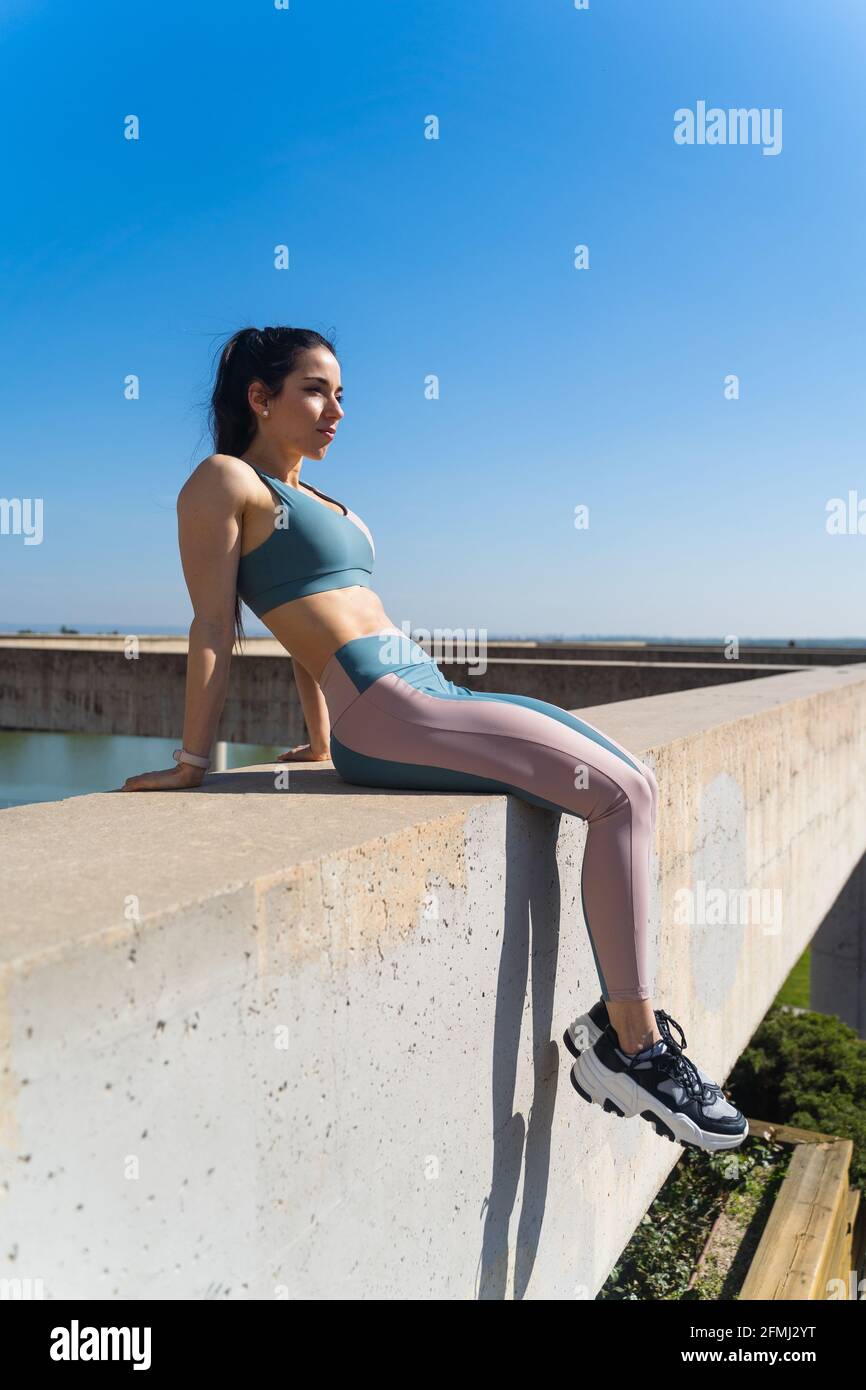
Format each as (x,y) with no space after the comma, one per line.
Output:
(796,1253)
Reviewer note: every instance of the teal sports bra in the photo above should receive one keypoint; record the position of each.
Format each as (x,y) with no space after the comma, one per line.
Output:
(311,549)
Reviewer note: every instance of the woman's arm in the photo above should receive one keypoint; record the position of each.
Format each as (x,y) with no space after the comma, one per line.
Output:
(316,718)
(209,508)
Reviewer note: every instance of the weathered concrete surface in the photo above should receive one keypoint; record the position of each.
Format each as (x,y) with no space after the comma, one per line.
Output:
(107,685)
(259,1041)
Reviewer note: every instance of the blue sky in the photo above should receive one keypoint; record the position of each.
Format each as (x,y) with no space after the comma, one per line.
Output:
(453,257)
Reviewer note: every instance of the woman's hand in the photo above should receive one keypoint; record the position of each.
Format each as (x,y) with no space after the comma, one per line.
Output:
(175,779)
(305,753)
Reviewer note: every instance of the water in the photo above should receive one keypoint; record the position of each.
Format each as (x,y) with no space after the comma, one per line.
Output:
(46,767)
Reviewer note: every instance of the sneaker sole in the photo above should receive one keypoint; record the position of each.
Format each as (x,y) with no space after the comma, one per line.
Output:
(620,1095)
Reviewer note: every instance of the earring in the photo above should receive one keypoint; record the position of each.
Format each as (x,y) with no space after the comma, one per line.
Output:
(266,412)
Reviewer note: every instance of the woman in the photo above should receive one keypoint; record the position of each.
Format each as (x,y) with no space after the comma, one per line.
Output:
(380,707)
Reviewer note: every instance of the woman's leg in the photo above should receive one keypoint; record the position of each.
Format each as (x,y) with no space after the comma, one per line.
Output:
(634,1020)
(634,1023)
(401,724)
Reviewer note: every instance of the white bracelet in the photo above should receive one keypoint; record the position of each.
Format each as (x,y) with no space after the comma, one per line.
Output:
(180,755)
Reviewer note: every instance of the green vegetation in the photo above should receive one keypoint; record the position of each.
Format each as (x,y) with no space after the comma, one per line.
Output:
(658,1262)
(807,1070)
(795,990)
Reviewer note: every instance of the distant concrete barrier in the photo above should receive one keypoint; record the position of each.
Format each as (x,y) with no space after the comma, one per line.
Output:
(265,1041)
(109,685)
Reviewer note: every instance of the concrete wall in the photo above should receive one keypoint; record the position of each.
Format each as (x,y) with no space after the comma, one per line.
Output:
(263,1041)
(104,685)
(837,960)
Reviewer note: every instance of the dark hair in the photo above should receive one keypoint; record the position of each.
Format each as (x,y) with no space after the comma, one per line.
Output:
(267,355)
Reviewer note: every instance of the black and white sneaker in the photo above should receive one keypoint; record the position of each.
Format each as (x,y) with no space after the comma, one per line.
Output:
(666,1088)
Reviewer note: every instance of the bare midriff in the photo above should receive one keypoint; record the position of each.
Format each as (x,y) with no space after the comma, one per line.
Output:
(313,627)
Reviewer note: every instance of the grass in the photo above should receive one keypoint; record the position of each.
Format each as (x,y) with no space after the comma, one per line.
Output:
(795,990)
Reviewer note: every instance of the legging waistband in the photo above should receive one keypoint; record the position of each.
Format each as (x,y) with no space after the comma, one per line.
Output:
(363,660)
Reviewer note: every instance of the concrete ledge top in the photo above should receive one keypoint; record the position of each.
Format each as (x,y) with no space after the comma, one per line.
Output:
(270,647)
(68,866)
(567,652)
(107,642)
(655,720)
(116,639)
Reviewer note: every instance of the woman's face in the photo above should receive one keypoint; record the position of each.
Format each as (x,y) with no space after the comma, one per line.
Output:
(307,411)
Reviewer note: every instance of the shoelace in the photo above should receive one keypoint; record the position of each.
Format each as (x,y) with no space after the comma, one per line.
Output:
(679,1066)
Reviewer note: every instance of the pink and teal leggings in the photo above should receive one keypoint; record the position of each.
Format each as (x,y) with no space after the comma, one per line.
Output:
(397,722)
